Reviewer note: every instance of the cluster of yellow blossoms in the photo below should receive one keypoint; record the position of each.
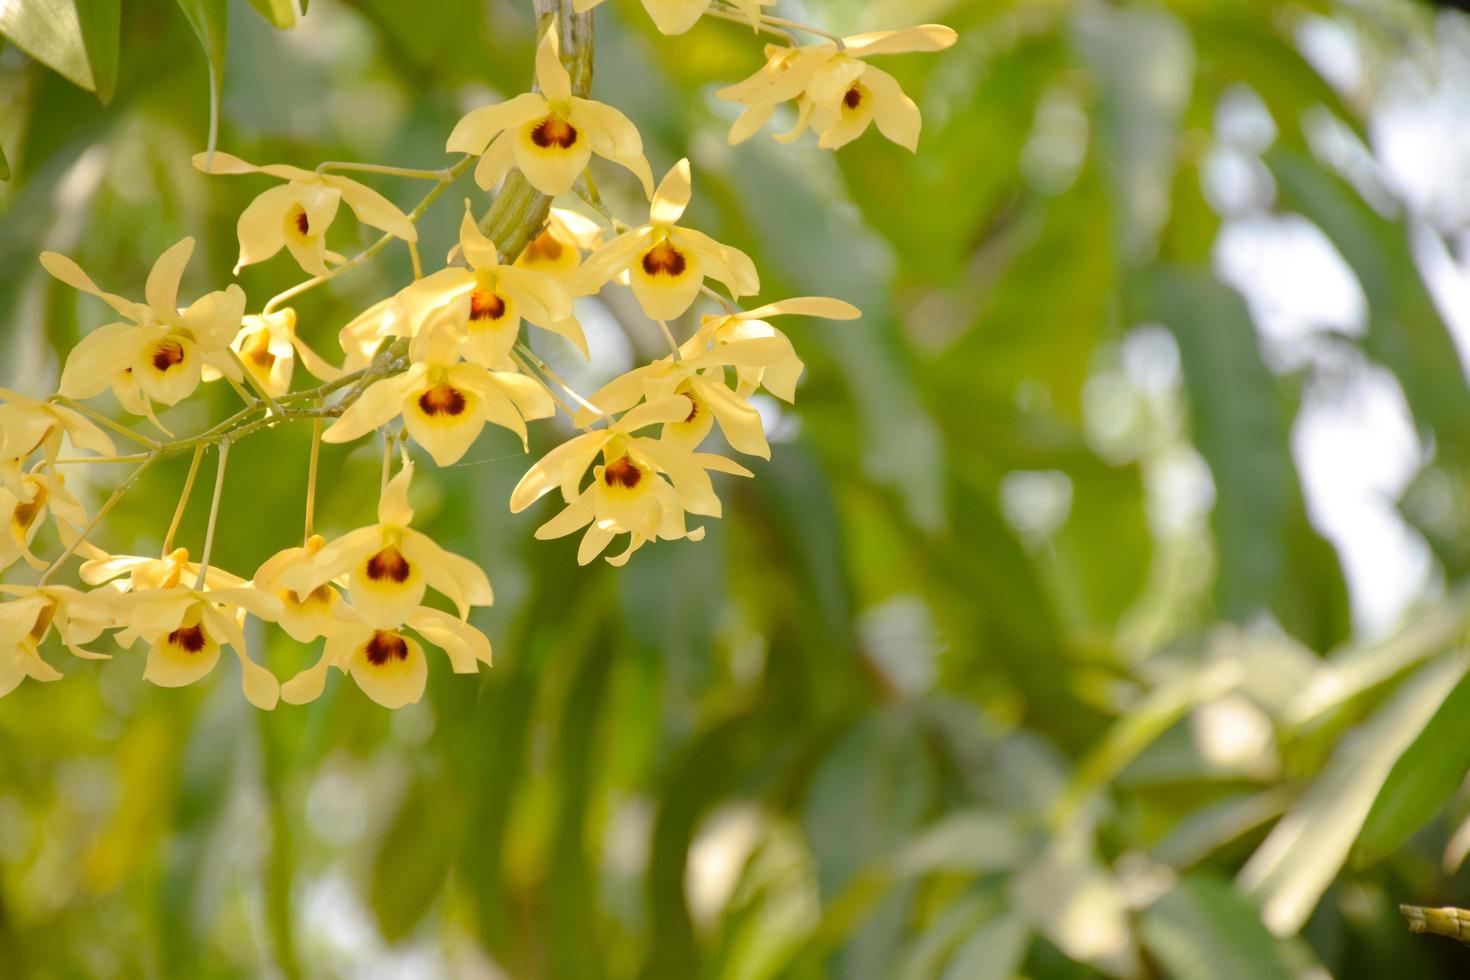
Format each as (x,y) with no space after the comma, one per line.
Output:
(433,364)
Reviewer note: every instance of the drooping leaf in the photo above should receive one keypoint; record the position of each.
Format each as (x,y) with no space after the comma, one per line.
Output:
(413,857)
(1237,427)
(1204,929)
(1406,333)
(281,13)
(1292,868)
(66,36)
(1421,781)
(101,24)
(210,21)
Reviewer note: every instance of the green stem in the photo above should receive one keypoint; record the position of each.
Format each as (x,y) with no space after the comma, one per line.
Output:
(219,486)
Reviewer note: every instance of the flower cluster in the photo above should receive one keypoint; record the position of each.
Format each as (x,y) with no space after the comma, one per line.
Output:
(431,366)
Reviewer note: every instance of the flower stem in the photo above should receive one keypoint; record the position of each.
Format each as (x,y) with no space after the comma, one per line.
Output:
(316,449)
(669,336)
(173,525)
(102,512)
(103,420)
(377,168)
(219,485)
(255,383)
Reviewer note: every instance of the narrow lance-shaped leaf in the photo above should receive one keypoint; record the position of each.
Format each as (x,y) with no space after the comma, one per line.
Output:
(1422,781)
(210,21)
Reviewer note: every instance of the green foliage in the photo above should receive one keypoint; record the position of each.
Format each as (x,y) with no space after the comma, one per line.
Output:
(949,692)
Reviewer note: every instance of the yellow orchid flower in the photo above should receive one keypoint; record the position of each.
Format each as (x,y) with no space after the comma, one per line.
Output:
(444,404)
(677,16)
(296,215)
(388,565)
(151,573)
(24,510)
(488,301)
(27,424)
(387,664)
(185,627)
(548,135)
(643,488)
(308,616)
(160,354)
(778,376)
(31,615)
(699,376)
(557,251)
(837,92)
(666,264)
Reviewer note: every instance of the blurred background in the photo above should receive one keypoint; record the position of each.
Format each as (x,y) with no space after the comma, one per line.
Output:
(1099,613)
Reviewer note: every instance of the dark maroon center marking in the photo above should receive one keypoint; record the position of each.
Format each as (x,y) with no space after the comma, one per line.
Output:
(384,647)
(663,258)
(388,563)
(622,471)
(485,305)
(188,638)
(554,132)
(166,354)
(442,400)
(853,98)
(299,218)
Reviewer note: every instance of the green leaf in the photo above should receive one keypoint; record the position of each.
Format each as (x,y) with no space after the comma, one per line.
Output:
(4,165)
(1205,930)
(210,21)
(1421,782)
(101,23)
(281,13)
(1237,426)
(413,858)
(1406,333)
(1304,851)
(78,39)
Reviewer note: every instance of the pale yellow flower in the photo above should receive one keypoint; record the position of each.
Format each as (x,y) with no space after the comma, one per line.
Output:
(32,614)
(27,424)
(838,94)
(444,404)
(308,616)
(698,376)
(296,215)
(779,375)
(549,135)
(388,565)
(557,251)
(643,487)
(666,264)
(185,627)
(388,664)
(161,353)
(677,16)
(484,304)
(24,509)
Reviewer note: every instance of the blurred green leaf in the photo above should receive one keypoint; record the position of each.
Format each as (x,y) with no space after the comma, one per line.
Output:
(413,857)
(1421,782)
(76,38)
(1203,929)
(281,13)
(1234,420)
(210,21)
(1302,854)
(1405,330)
(101,24)
(992,952)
